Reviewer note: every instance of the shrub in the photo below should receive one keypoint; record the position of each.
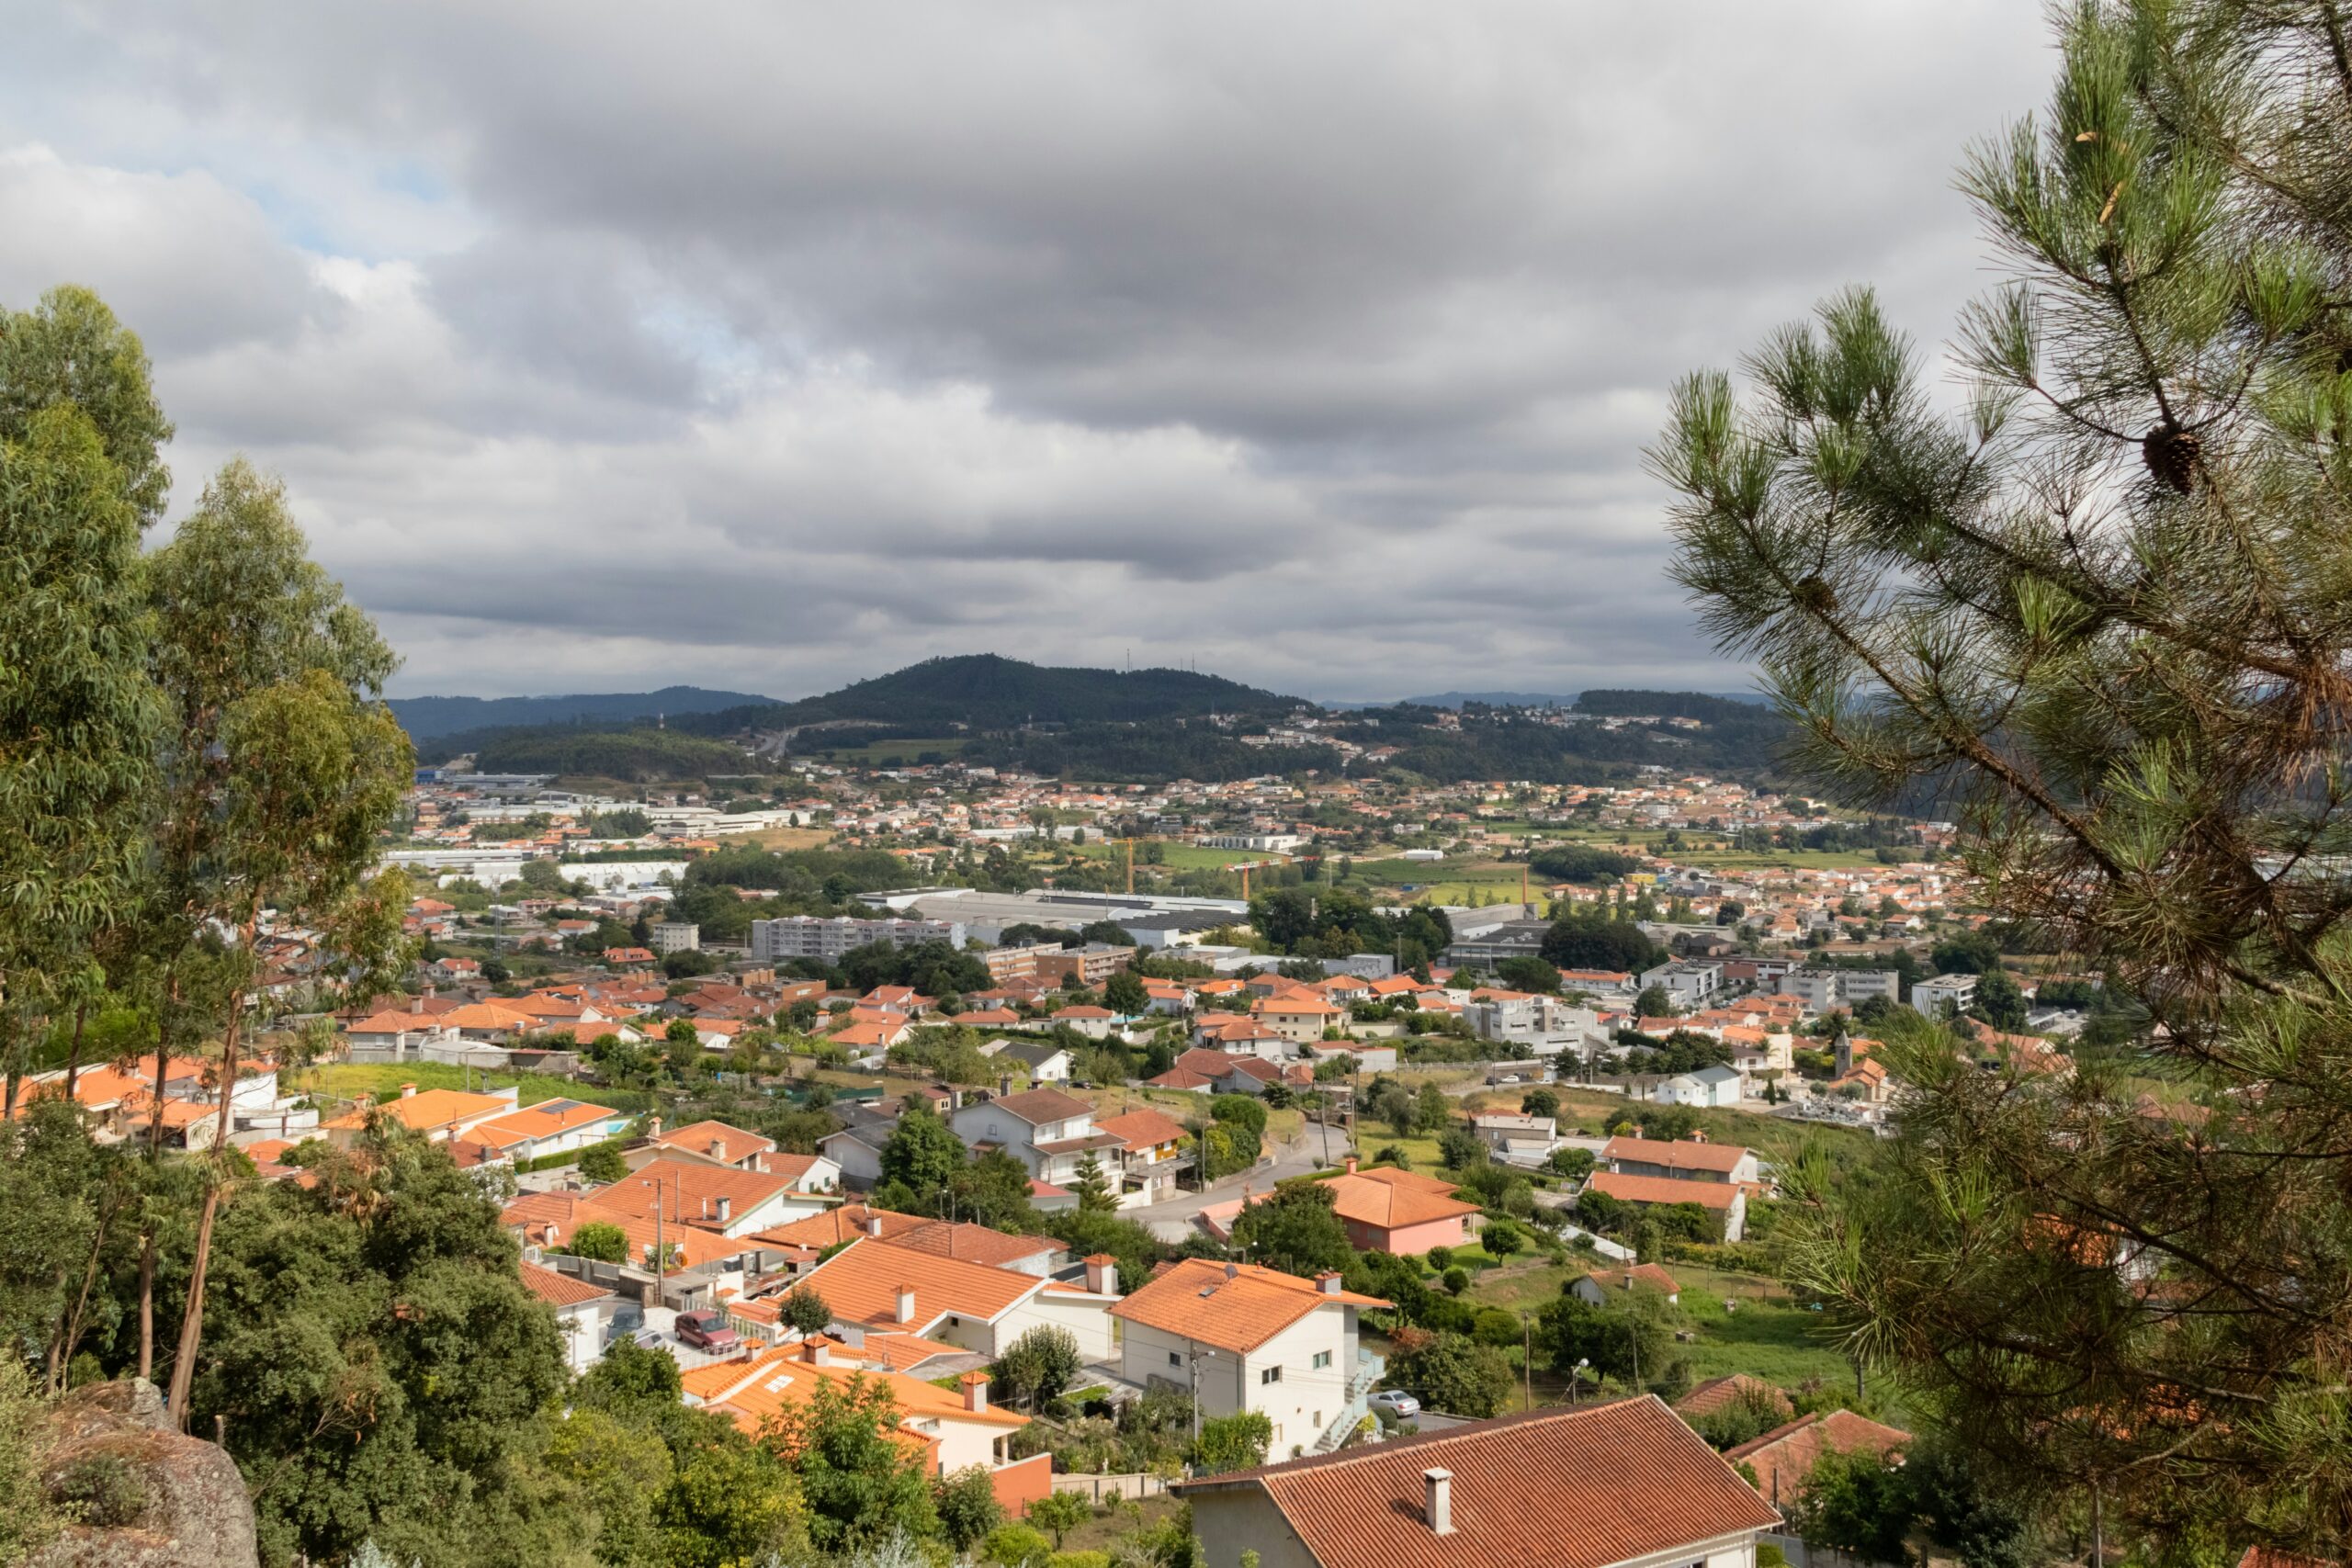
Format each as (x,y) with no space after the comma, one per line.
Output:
(102,1490)
(1456,1280)
(1493,1326)
(1013,1545)
(1441,1258)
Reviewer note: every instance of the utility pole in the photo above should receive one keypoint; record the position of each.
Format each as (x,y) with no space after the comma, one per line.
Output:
(1527,1357)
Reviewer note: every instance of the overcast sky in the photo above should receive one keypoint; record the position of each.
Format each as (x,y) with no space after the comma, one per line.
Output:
(769,345)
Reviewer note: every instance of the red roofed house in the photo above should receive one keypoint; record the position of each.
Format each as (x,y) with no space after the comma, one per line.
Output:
(1153,1149)
(1624,1482)
(1784,1458)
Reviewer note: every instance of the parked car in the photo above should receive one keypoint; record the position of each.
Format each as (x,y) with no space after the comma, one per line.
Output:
(706,1331)
(1396,1403)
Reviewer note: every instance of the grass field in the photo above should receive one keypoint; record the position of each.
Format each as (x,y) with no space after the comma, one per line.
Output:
(1175,857)
(782,838)
(343,1081)
(886,753)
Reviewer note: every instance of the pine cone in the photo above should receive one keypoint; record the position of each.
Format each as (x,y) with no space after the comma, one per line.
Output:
(2171,456)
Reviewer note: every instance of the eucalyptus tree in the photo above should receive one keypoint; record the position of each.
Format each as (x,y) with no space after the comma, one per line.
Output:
(79,476)
(282,766)
(2100,605)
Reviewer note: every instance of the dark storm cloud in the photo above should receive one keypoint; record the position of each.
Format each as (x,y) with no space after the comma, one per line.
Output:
(773,344)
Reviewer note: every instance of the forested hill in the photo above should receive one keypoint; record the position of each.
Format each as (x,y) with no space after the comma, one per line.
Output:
(985,690)
(429,718)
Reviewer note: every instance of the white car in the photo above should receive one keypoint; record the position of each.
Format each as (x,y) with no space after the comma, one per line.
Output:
(1397,1403)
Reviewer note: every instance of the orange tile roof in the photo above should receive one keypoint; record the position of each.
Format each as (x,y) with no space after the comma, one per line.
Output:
(1719,1394)
(835,1226)
(1664,1190)
(861,1284)
(781,1377)
(535,1214)
(431,1107)
(697,1136)
(1518,1496)
(1389,1204)
(688,1190)
(1143,1128)
(1784,1458)
(975,1243)
(1648,1274)
(559,1290)
(1235,1306)
(545,1120)
(1684,1153)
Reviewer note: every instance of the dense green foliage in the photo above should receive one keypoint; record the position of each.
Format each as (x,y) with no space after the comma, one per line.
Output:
(634,756)
(2100,601)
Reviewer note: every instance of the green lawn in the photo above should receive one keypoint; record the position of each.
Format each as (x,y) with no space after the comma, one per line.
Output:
(884,753)
(1174,857)
(345,1080)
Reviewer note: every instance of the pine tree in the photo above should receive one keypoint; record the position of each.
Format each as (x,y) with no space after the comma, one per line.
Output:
(1093,1187)
(2105,608)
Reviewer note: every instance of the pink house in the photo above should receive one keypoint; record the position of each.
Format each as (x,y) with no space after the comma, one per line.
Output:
(1384,1209)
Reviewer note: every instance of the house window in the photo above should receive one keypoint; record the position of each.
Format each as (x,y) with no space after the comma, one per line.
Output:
(1322,1360)
(1272,1374)
(1174,1360)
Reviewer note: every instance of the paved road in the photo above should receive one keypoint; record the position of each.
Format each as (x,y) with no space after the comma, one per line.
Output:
(1172,1219)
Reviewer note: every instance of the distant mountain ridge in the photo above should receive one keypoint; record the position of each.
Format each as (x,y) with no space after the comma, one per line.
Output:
(429,718)
(987,690)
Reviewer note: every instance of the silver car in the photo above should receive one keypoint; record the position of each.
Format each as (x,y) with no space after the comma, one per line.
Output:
(1396,1403)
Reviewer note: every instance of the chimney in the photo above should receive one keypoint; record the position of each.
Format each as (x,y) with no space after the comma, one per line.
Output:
(408,1090)
(906,1303)
(1328,1282)
(975,1391)
(418,1005)
(428,990)
(820,1351)
(1437,1500)
(1629,1279)
(718,1150)
(1352,1164)
(726,1208)
(1005,1084)
(873,1224)
(549,1234)
(1698,1136)
(653,1126)
(1103,1274)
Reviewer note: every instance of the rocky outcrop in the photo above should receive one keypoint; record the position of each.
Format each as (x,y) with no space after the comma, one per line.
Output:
(150,1497)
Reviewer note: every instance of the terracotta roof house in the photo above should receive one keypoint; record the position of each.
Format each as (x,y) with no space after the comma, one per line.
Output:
(1715,1197)
(1258,1340)
(896,1289)
(440,1114)
(710,1197)
(953,1430)
(1722,1393)
(1685,1159)
(1387,1210)
(581,1311)
(715,1142)
(1784,1458)
(552,1126)
(1602,1284)
(1620,1483)
(846,1223)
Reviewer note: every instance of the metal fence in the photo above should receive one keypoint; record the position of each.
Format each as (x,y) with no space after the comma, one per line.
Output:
(1104,1488)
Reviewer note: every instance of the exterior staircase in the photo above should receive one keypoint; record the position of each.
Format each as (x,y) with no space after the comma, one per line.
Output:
(1369,1370)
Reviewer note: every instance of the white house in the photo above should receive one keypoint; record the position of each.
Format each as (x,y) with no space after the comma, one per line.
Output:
(1241,1337)
(1047,1131)
(583,1312)
(1708,1087)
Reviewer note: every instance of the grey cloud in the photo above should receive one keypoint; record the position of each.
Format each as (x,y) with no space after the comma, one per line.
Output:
(1316,342)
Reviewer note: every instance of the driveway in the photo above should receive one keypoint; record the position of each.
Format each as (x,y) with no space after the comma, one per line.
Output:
(1172,1219)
